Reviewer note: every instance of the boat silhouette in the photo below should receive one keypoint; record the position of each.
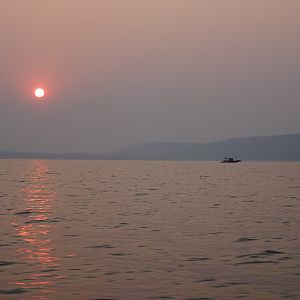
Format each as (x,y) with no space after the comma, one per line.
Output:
(230,160)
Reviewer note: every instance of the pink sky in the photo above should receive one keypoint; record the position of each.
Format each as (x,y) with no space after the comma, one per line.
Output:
(128,71)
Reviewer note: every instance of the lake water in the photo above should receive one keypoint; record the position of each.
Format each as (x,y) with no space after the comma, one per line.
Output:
(149,230)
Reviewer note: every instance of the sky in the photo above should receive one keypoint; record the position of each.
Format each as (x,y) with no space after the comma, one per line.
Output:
(121,72)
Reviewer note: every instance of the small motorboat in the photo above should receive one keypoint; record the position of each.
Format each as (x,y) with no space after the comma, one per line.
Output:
(230,160)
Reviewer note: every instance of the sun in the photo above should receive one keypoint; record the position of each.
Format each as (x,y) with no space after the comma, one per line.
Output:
(39,92)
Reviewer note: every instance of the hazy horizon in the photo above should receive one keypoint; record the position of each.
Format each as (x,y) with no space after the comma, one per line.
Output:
(118,73)
(131,146)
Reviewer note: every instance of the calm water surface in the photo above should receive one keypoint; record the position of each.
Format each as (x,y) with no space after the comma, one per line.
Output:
(149,230)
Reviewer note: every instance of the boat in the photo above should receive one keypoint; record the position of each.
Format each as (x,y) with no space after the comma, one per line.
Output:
(230,160)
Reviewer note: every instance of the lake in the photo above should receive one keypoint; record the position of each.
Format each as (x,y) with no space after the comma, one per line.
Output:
(149,230)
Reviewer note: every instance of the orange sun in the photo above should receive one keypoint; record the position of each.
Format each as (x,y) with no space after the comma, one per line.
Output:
(39,93)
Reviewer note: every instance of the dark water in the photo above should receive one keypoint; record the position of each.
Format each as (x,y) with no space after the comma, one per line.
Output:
(149,230)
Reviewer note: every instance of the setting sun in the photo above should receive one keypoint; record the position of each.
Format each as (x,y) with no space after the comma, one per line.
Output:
(39,92)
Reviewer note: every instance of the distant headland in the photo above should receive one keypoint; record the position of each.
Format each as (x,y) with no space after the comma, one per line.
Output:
(274,148)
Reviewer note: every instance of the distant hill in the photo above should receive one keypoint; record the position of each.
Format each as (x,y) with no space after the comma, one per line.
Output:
(278,147)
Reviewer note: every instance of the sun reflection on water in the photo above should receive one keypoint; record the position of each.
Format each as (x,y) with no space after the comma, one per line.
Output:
(35,231)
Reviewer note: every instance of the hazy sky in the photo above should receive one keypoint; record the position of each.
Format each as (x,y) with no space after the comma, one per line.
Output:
(119,72)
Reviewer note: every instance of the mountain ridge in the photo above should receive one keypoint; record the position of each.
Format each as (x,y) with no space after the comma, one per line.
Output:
(285,147)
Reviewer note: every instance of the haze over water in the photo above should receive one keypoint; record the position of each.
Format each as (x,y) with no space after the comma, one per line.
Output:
(123,72)
(149,230)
